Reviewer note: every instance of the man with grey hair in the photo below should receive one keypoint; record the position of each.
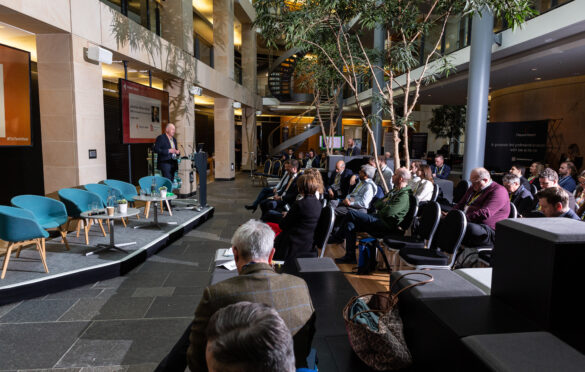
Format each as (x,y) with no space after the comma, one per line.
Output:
(520,196)
(390,211)
(484,203)
(249,337)
(166,148)
(361,196)
(252,245)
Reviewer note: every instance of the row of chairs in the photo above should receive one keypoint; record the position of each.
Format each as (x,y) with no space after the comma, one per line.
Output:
(31,217)
(272,169)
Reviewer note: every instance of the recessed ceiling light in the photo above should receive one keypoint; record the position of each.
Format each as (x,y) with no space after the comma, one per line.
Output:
(533,69)
(428,95)
(537,78)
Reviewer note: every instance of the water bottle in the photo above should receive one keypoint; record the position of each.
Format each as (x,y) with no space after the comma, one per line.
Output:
(153,187)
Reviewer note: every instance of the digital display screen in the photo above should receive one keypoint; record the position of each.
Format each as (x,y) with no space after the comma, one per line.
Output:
(15,122)
(336,140)
(145,112)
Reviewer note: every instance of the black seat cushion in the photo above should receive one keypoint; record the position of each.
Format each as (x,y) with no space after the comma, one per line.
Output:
(403,242)
(422,256)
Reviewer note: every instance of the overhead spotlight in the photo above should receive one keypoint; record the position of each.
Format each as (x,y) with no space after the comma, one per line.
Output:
(196,91)
(237,105)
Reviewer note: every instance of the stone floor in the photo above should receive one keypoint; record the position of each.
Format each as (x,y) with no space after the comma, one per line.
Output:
(127,323)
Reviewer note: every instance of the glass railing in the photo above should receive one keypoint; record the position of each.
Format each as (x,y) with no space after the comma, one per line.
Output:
(457,34)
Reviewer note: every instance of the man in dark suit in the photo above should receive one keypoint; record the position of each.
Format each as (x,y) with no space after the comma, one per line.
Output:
(268,192)
(554,202)
(340,182)
(519,170)
(167,150)
(521,197)
(352,149)
(252,245)
(286,197)
(440,169)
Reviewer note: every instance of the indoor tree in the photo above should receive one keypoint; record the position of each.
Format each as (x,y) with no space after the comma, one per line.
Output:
(336,31)
(448,122)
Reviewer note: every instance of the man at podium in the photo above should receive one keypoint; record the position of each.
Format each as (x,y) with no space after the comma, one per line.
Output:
(166,148)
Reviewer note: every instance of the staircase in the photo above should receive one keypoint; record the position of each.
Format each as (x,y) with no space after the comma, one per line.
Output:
(296,141)
(280,75)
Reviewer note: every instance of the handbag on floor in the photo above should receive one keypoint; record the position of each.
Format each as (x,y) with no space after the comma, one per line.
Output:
(375,329)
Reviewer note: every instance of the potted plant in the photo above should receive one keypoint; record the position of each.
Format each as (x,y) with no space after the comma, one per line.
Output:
(122,206)
(163,191)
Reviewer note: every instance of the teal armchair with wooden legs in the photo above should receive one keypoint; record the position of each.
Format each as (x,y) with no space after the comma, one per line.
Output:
(146,183)
(50,213)
(77,201)
(19,228)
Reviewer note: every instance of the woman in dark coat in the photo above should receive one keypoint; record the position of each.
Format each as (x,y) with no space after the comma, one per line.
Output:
(299,224)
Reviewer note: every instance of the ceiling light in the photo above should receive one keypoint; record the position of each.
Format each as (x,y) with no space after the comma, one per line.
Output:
(533,69)
(537,78)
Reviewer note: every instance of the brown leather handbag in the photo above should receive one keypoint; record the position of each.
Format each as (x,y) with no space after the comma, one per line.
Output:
(383,348)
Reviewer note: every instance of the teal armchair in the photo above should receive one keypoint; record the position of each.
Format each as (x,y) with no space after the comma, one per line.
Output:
(78,201)
(19,228)
(51,214)
(146,183)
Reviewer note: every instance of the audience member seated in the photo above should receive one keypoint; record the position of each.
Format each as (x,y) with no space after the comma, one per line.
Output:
(554,202)
(567,171)
(389,160)
(301,159)
(352,148)
(387,173)
(520,196)
(550,178)
(535,169)
(423,189)
(298,225)
(267,192)
(323,160)
(286,197)
(484,204)
(580,196)
(390,212)
(252,245)
(290,153)
(519,170)
(248,337)
(440,169)
(312,161)
(340,182)
(361,196)
(414,177)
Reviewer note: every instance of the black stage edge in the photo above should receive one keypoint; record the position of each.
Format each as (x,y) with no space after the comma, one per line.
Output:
(225,179)
(91,275)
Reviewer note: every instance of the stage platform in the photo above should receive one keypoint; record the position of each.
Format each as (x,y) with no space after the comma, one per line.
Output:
(26,278)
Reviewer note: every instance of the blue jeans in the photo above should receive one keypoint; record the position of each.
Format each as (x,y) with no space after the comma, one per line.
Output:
(263,194)
(355,221)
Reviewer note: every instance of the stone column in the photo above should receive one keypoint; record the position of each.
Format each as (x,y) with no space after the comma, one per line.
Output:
(72,112)
(223,36)
(223,57)
(182,114)
(482,37)
(177,23)
(249,81)
(223,112)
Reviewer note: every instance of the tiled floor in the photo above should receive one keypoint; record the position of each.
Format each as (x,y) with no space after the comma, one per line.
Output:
(130,323)
(127,323)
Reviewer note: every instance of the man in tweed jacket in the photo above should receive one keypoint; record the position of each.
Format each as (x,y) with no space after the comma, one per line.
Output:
(252,245)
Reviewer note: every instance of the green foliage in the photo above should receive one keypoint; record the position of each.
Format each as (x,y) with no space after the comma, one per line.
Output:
(122,201)
(448,122)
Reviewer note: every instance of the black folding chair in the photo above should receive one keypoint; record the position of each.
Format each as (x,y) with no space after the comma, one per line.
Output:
(324,228)
(444,248)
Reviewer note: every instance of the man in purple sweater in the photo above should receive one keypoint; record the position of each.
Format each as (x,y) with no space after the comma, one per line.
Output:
(484,204)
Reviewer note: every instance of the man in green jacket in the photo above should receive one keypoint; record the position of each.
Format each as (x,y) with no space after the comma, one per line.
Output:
(390,211)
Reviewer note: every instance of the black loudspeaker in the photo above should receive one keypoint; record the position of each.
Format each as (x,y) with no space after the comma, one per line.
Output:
(538,269)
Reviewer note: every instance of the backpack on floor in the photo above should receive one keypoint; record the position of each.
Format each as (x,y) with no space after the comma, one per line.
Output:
(367,255)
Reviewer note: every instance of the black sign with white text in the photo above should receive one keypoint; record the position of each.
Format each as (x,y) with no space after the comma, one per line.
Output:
(515,142)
